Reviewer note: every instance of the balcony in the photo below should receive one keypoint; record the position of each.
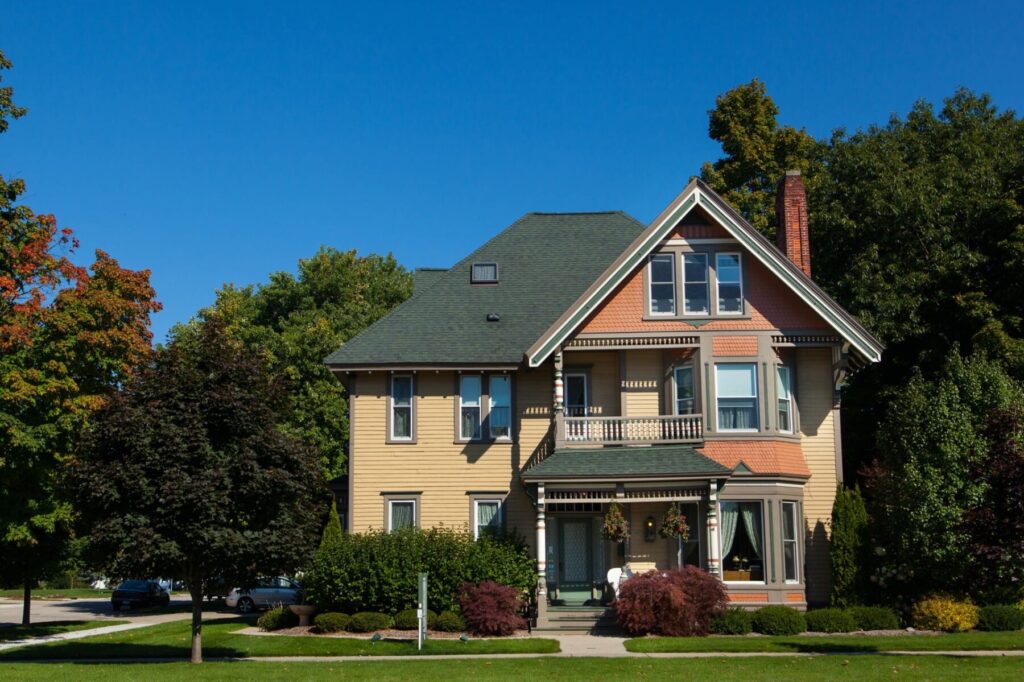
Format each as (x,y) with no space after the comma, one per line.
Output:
(585,430)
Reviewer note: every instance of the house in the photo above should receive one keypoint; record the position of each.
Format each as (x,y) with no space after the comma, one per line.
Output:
(576,359)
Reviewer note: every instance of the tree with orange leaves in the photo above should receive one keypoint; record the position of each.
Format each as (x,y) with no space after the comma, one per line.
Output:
(69,336)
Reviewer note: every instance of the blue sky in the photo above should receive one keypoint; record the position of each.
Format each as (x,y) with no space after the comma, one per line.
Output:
(217,142)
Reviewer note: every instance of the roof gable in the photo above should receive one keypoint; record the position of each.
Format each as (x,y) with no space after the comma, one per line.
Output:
(695,194)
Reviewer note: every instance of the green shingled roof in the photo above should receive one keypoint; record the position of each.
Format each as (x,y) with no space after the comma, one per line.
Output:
(624,462)
(545,262)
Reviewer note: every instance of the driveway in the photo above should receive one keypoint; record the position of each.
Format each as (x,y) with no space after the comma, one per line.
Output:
(95,609)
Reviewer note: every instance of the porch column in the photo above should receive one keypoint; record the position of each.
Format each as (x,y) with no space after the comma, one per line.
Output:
(542,558)
(714,558)
(559,402)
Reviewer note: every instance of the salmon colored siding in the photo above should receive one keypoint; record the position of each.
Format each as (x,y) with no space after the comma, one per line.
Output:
(760,456)
(734,346)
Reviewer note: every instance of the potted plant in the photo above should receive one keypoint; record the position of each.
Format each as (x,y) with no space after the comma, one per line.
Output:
(615,526)
(674,525)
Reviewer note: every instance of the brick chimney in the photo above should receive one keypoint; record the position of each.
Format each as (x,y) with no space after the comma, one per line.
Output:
(791,212)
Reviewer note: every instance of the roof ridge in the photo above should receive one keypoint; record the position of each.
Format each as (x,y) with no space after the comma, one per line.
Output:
(577,213)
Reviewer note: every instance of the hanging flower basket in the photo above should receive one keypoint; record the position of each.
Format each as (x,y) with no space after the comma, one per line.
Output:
(674,525)
(615,527)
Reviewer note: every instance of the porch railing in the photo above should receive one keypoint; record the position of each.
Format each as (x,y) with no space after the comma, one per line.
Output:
(687,428)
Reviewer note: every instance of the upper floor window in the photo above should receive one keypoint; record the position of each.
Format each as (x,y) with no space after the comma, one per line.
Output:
(484,273)
(684,401)
(401,407)
(789,542)
(663,284)
(695,284)
(499,416)
(486,517)
(736,392)
(785,396)
(469,407)
(729,273)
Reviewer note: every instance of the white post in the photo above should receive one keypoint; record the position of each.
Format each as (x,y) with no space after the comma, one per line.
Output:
(714,548)
(542,557)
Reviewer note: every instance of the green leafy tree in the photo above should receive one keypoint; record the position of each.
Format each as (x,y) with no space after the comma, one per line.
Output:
(333,532)
(187,473)
(847,547)
(297,320)
(68,337)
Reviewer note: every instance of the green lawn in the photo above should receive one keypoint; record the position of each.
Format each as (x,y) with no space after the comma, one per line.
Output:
(960,641)
(172,640)
(41,593)
(8,634)
(560,669)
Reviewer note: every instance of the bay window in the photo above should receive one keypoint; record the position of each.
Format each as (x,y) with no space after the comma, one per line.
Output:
(695,284)
(729,275)
(790,546)
(783,389)
(663,284)
(742,542)
(736,394)
(469,407)
(684,400)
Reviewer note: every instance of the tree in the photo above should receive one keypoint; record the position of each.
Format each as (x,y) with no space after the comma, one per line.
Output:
(67,339)
(188,472)
(847,545)
(333,532)
(299,320)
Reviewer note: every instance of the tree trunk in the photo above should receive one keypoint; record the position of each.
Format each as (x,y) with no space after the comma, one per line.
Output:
(26,607)
(195,588)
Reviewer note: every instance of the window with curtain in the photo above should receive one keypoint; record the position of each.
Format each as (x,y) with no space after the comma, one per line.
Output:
(736,393)
(790,547)
(782,382)
(499,416)
(469,407)
(729,272)
(401,408)
(695,284)
(488,517)
(484,273)
(401,514)
(684,401)
(742,541)
(663,284)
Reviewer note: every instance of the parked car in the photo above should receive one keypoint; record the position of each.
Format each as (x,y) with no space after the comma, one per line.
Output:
(134,593)
(266,593)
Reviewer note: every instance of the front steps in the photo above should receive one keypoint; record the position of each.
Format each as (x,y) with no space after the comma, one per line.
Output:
(579,619)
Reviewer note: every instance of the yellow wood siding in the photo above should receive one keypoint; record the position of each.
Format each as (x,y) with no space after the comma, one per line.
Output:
(644,375)
(817,436)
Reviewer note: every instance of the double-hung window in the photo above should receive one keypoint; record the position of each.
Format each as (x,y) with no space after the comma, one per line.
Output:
(789,542)
(684,401)
(663,284)
(729,274)
(499,416)
(469,407)
(401,514)
(401,407)
(695,284)
(486,517)
(736,392)
(785,396)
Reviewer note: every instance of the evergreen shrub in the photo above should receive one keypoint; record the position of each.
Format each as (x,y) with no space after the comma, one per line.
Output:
(779,620)
(1000,618)
(370,621)
(332,621)
(733,621)
(407,620)
(846,546)
(277,618)
(874,618)
(830,620)
(449,621)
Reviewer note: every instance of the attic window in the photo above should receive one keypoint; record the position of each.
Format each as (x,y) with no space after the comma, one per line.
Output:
(485,273)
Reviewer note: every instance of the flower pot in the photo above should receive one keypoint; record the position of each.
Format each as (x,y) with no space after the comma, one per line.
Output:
(303,611)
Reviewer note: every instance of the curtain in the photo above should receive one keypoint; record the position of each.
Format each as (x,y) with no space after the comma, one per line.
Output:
(486,515)
(402,515)
(752,522)
(730,515)
(737,413)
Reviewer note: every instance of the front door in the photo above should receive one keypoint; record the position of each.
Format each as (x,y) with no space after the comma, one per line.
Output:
(576,560)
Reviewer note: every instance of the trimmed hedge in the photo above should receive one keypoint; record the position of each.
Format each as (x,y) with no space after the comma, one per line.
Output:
(942,612)
(874,618)
(733,621)
(779,620)
(332,621)
(377,571)
(277,618)
(1000,618)
(407,620)
(370,621)
(449,621)
(830,620)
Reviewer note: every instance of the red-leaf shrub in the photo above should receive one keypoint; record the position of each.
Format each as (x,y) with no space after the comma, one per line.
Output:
(491,609)
(680,603)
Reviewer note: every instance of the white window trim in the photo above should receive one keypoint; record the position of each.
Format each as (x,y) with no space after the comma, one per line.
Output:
(491,405)
(479,409)
(718,300)
(795,541)
(764,548)
(651,283)
(757,401)
(707,285)
(675,388)
(412,410)
(392,503)
(788,398)
(476,513)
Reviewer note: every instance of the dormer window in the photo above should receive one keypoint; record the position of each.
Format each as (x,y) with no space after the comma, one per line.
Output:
(485,273)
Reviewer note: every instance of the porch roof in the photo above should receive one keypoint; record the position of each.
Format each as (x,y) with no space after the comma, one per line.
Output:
(625,462)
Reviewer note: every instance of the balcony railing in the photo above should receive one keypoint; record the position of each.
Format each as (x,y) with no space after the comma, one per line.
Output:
(688,428)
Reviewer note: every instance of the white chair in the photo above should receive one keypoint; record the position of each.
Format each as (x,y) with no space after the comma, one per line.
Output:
(614,578)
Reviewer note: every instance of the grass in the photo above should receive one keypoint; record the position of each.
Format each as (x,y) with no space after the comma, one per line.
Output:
(9,634)
(220,639)
(41,593)
(960,641)
(791,669)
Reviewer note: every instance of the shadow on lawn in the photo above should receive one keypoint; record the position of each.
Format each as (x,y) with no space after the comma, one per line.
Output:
(830,647)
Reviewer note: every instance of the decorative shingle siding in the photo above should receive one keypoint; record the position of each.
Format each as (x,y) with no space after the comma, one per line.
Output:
(734,346)
(760,456)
